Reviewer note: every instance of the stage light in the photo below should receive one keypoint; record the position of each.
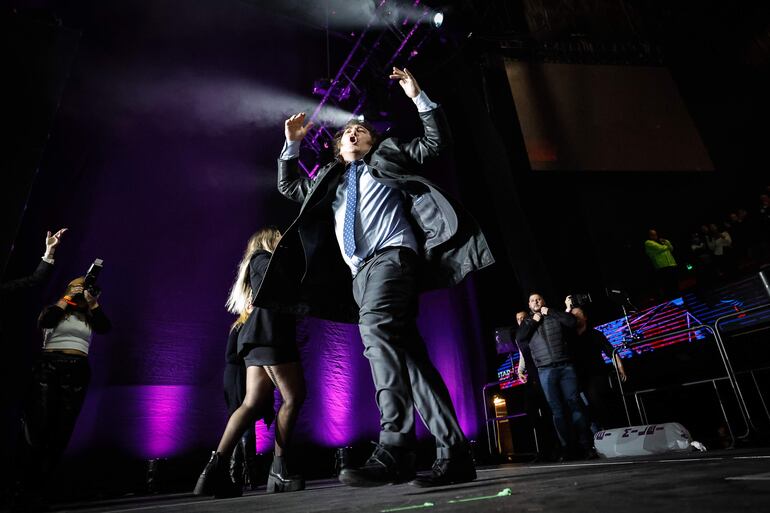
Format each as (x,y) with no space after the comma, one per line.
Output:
(360,117)
(321,86)
(438,19)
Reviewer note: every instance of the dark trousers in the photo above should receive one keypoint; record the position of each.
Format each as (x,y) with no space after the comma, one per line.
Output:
(540,417)
(668,282)
(602,404)
(58,389)
(560,387)
(386,292)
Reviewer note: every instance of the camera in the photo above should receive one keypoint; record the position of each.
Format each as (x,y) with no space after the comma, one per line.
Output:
(579,300)
(89,283)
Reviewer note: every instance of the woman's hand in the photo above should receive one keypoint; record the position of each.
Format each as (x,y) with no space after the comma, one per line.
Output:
(91,300)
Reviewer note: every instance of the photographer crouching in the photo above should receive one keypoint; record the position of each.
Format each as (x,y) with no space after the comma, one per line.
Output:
(60,378)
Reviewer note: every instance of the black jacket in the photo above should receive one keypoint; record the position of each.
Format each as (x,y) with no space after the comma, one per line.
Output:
(307,274)
(547,339)
(39,276)
(586,353)
(265,328)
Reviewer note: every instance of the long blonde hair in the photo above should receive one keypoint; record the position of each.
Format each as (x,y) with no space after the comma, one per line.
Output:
(241,320)
(241,295)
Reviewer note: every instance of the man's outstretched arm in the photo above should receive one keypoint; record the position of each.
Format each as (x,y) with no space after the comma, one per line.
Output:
(291,183)
(43,270)
(436,135)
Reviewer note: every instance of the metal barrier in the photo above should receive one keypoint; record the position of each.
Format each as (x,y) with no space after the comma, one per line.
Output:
(758,389)
(713,381)
(720,342)
(728,369)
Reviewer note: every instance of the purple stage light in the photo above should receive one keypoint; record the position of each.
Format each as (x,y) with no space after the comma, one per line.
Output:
(165,411)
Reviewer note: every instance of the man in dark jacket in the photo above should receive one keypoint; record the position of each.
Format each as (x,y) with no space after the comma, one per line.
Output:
(370,236)
(545,334)
(40,274)
(586,347)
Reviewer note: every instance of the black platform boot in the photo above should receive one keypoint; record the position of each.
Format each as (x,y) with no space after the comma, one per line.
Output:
(279,479)
(215,479)
(251,471)
(237,469)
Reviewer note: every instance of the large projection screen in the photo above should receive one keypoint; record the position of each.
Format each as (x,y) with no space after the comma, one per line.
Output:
(604,118)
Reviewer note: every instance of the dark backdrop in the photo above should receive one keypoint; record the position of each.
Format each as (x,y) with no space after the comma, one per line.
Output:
(161,162)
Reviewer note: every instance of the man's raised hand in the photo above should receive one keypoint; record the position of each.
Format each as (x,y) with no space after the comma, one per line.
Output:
(406,81)
(294,127)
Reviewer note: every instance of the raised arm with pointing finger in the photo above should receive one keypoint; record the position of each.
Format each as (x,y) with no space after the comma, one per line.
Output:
(43,270)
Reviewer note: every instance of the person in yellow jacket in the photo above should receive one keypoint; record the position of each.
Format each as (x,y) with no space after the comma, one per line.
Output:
(659,251)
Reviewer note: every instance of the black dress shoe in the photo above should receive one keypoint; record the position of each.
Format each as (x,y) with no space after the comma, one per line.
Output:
(447,472)
(387,465)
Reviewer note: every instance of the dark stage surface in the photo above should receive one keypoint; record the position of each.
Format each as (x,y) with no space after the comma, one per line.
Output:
(728,480)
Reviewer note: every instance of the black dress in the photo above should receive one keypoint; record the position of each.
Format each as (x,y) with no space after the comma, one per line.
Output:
(268,337)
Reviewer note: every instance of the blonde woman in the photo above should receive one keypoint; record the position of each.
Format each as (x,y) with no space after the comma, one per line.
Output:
(267,343)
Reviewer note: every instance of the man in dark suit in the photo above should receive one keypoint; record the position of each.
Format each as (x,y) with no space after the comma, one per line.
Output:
(40,275)
(370,236)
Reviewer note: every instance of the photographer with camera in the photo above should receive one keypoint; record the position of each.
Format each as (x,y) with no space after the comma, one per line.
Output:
(545,334)
(60,378)
(586,346)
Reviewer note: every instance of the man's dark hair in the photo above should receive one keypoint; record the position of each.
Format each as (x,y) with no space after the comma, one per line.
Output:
(354,122)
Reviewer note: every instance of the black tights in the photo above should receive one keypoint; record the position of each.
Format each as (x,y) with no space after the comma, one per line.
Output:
(260,383)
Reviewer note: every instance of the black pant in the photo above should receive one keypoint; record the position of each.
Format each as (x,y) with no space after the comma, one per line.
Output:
(386,292)
(540,417)
(668,282)
(602,404)
(56,395)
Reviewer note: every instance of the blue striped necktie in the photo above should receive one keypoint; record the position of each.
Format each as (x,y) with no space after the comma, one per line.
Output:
(351,204)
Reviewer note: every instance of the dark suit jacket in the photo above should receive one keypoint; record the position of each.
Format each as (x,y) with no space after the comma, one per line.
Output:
(41,274)
(307,274)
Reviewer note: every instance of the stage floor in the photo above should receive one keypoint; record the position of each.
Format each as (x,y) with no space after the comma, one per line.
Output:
(721,481)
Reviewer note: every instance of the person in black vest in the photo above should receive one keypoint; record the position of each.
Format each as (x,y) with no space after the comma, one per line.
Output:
(267,342)
(371,235)
(586,348)
(544,332)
